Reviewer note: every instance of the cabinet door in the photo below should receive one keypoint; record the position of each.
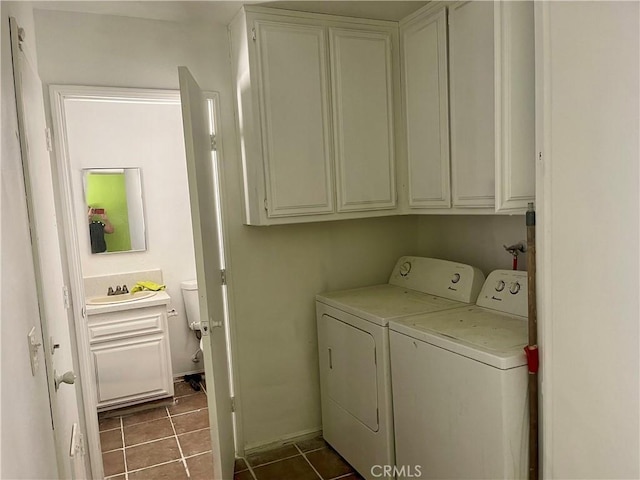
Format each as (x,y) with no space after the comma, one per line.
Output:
(132,369)
(515,105)
(425,94)
(361,76)
(472,104)
(294,95)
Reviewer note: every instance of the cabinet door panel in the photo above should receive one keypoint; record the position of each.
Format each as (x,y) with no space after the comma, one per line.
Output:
(472,104)
(424,46)
(515,105)
(363,119)
(295,118)
(131,368)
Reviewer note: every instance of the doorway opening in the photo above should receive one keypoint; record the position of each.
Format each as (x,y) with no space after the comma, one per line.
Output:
(157,154)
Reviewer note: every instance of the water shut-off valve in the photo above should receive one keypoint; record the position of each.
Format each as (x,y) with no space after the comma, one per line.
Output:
(515,250)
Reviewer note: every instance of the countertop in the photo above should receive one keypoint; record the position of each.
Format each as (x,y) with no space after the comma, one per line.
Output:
(160,298)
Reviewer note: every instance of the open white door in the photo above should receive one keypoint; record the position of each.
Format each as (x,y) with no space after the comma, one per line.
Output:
(50,288)
(206,237)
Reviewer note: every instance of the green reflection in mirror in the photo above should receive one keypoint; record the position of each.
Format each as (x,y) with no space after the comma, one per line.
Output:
(108,191)
(114,207)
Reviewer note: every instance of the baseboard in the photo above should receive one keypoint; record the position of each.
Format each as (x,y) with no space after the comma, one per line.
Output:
(294,437)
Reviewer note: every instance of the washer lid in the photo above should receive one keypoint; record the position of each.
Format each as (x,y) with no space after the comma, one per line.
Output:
(485,335)
(381,303)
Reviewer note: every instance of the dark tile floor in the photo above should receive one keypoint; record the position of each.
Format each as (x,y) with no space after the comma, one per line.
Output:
(171,442)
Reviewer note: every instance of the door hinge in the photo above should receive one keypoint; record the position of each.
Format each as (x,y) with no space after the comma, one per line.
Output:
(214,142)
(233,404)
(540,156)
(266,205)
(66,297)
(223,276)
(48,139)
(253,34)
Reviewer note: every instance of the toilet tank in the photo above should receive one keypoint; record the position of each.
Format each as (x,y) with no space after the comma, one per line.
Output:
(191,303)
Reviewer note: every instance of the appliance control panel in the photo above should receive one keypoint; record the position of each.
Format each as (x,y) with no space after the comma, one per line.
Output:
(505,291)
(452,280)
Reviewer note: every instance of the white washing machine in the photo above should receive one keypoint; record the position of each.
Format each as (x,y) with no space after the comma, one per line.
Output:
(353,345)
(460,386)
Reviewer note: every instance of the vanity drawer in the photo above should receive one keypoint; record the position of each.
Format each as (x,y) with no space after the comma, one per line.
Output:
(125,324)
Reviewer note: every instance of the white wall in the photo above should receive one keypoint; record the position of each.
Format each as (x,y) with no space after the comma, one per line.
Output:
(474,239)
(274,272)
(27,445)
(589,235)
(145,136)
(277,272)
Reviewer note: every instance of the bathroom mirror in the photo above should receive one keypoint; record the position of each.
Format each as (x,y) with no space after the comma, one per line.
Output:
(113,199)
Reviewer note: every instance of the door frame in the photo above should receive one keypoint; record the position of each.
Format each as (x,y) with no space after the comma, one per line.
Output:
(52,303)
(58,94)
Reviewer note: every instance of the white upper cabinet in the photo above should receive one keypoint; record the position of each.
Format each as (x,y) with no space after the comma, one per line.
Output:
(515,105)
(476,153)
(361,79)
(315,112)
(471,44)
(293,80)
(426,108)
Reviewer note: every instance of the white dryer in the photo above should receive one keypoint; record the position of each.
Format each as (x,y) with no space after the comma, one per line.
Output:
(460,386)
(353,345)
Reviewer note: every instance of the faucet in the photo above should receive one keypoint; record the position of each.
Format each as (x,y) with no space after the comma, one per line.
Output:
(118,291)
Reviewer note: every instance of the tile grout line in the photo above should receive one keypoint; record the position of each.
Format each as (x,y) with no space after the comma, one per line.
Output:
(250,470)
(307,460)
(187,413)
(184,460)
(155,465)
(344,476)
(199,453)
(124,451)
(157,439)
(275,461)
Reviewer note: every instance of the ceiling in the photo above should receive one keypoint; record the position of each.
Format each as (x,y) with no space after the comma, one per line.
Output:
(221,12)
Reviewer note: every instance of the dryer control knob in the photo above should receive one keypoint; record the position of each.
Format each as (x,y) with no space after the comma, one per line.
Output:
(514,288)
(405,268)
(500,286)
(455,278)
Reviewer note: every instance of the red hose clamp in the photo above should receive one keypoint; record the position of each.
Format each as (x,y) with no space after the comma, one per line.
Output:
(533,359)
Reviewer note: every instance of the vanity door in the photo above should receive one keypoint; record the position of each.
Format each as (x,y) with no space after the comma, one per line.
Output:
(131,369)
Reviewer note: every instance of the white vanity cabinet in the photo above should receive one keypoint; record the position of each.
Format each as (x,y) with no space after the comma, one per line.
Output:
(485,107)
(315,111)
(130,353)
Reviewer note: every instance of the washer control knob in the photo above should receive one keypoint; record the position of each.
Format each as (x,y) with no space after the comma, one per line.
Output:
(500,286)
(405,268)
(455,278)
(514,288)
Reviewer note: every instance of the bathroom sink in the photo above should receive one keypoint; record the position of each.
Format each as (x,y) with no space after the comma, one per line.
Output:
(122,298)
